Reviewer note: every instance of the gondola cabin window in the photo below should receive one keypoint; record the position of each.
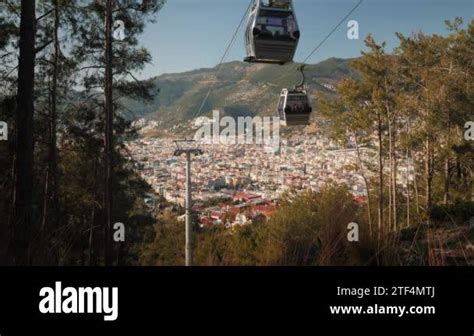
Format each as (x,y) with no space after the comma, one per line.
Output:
(276,24)
(296,103)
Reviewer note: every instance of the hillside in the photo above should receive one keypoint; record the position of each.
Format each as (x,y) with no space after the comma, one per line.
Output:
(240,89)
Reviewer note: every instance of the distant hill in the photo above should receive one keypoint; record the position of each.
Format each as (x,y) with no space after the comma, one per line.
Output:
(240,89)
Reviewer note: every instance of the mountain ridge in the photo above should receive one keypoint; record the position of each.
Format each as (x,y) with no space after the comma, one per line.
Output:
(239,89)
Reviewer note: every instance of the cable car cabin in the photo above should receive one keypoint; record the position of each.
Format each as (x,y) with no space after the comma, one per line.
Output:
(272,33)
(294,107)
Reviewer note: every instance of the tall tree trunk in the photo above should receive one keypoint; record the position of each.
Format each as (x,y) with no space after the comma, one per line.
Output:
(381,199)
(448,141)
(429,179)
(45,204)
(394,179)
(23,216)
(47,179)
(390,184)
(407,181)
(91,238)
(5,235)
(53,163)
(50,220)
(93,219)
(366,182)
(471,184)
(446,174)
(392,221)
(415,186)
(108,134)
(446,181)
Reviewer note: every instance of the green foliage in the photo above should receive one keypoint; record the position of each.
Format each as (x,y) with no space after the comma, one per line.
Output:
(69,53)
(310,229)
(167,248)
(409,105)
(459,212)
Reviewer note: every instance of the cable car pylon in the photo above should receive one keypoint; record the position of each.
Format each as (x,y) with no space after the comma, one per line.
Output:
(188,148)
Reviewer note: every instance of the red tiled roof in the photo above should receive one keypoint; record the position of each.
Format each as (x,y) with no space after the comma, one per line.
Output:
(360,199)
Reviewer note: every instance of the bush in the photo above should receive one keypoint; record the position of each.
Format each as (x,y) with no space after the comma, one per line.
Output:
(310,230)
(458,212)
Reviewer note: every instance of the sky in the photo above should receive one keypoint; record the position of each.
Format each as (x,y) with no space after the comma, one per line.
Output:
(192,34)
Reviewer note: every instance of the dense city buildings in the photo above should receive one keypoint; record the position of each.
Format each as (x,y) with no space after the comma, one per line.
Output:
(234,183)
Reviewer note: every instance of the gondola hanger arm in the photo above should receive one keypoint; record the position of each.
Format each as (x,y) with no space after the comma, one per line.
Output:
(303,78)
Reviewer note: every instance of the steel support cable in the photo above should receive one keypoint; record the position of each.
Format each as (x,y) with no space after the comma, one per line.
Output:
(229,46)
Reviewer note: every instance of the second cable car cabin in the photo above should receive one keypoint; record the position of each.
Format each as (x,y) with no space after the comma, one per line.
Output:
(294,107)
(272,33)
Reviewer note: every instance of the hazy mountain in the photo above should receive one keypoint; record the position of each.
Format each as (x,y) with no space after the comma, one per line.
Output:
(239,89)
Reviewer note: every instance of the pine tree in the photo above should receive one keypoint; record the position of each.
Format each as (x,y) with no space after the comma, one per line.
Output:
(23,221)
(109,65)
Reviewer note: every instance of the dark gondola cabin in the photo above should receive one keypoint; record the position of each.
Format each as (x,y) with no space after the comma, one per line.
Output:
(272,33)
(294,107)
